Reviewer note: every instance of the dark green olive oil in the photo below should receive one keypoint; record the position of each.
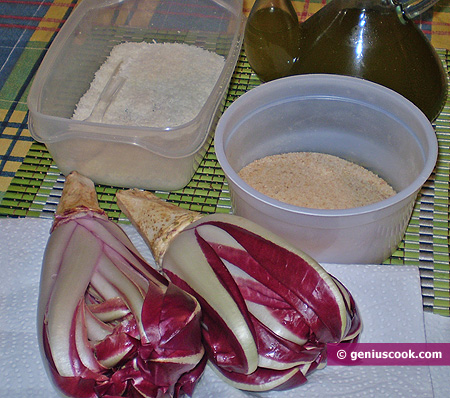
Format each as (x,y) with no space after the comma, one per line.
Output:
(271,42)
(377,45)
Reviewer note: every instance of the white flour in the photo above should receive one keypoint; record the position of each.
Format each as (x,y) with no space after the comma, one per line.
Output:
(166,84)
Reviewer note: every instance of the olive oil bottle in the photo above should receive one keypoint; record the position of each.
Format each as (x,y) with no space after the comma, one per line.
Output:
(374,40)
(271,39)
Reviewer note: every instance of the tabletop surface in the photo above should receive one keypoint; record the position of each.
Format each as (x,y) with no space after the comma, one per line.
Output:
(31,184)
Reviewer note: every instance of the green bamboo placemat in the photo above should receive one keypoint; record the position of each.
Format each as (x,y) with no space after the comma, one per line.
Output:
(37,186)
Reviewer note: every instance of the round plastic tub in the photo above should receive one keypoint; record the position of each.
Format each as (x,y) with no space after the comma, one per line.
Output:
(348,117)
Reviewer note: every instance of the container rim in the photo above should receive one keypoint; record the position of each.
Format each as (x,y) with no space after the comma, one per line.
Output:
(301,81)
(138,135)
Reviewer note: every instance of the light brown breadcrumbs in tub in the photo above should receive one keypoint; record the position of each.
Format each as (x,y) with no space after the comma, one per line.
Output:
(315,180)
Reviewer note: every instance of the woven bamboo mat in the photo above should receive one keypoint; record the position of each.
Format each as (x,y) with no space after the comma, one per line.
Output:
(36,188)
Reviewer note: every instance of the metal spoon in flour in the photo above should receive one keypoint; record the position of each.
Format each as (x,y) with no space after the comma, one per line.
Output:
(112,87)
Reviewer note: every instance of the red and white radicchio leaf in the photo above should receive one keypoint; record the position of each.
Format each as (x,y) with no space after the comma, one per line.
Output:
(108,323)
(258,292)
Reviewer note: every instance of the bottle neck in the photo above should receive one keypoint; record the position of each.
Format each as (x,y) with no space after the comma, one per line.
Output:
(413,8)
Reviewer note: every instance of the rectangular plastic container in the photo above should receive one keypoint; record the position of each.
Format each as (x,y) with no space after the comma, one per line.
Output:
(130,156)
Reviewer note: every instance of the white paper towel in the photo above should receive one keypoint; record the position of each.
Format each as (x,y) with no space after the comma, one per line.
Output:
(389,299)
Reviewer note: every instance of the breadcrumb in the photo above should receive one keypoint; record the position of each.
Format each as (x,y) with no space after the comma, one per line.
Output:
(315,180)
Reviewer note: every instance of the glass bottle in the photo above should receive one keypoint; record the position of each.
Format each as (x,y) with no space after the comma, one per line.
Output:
(271,38)
(375,40)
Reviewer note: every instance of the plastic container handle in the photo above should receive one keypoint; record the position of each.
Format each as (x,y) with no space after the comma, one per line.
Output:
(413,8)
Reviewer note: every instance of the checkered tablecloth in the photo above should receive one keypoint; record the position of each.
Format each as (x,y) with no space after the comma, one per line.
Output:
(26,30)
